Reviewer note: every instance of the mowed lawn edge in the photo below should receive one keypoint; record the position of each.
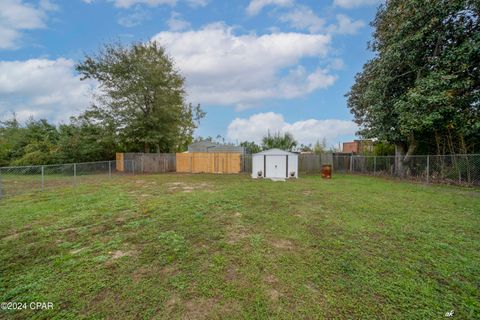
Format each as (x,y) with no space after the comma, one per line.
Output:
(226,246)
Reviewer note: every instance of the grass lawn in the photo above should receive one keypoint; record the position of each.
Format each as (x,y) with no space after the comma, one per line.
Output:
(228,247)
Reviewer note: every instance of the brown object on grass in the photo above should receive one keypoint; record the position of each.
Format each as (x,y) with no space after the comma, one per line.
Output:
(327,171)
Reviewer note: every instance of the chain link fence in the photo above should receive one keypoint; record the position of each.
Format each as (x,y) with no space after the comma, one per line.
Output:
(452,169)
(461,169)
(16,180)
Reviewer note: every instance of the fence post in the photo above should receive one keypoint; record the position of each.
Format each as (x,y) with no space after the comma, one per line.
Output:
(74,174)
(133,167)
(351,163)
(374,165)
(428,168)
(141,163)
(43,178)
(109,169)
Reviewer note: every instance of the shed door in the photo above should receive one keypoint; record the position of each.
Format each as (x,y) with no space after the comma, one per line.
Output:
(276,166)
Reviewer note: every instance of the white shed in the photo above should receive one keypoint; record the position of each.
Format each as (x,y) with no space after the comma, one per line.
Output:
(275,163)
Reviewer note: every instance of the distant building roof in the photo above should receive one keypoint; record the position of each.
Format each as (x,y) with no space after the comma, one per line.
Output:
(208,146)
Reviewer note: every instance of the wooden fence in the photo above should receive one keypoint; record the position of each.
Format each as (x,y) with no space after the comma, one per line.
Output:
(146,162)
(216,162)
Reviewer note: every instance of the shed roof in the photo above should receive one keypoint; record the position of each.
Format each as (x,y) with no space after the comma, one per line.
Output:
(277,152)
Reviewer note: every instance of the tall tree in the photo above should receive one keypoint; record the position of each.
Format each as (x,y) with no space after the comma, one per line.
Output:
(251,146)
(142,95)
(285,142)
(422,88)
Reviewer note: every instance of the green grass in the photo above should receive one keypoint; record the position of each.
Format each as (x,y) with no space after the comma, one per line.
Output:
(229,247)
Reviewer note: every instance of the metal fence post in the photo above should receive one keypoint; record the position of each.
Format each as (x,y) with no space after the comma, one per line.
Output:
(75,174)
(109,169)
(374,165)
(43,178)
(428,168)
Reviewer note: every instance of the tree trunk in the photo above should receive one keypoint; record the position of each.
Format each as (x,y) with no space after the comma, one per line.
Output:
(146,148)
(403,156)
(400,151)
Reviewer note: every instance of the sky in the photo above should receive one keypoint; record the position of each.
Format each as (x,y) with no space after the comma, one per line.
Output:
(253,65)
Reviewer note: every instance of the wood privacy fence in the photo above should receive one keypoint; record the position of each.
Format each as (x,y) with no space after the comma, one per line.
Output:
(146,162)
(211,162)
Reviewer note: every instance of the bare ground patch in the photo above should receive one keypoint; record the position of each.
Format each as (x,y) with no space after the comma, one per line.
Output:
(188,187)
(283,244)
(199,308)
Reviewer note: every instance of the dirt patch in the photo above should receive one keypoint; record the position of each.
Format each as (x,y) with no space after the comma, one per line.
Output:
(236,234)
(199,308)
(172,303)
(307,192)
(119,254)
(154,271)
(283,244)
(271,279)
(237,214)
(273,295)
(187,188)
(76,250)
(231,274)
(11,237)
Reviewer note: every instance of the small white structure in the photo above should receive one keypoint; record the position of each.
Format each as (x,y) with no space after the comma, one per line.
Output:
(275,164)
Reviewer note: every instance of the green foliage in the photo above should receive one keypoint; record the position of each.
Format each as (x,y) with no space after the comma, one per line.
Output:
(423,85)
(382,148)
(284,142)
(140,107)
(320,147)
(251,146)
(142,99)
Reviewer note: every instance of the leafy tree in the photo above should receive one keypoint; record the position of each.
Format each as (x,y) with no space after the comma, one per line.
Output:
(305,148)
(11,135)
(142,97)
(285,142)
(320,147)
(251,146)
(37,144)
(422,88)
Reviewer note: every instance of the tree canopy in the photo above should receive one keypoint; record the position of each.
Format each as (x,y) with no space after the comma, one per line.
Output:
(285,142)
(421,91)
(141,98)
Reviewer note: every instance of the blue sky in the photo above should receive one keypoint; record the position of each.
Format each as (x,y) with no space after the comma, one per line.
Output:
(253,65)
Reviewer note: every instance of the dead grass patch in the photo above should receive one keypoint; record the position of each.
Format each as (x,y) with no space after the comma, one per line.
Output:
(283,244)
(188,187)
(199,308)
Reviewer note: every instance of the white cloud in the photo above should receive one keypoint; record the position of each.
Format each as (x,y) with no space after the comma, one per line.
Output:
(348,4)
(42,88)
(151,3)
(197,3)
(176,23)
(17,16)
(308,131)
(302,18)
(224,69)
(255,6)
(346,25)
(134,18)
